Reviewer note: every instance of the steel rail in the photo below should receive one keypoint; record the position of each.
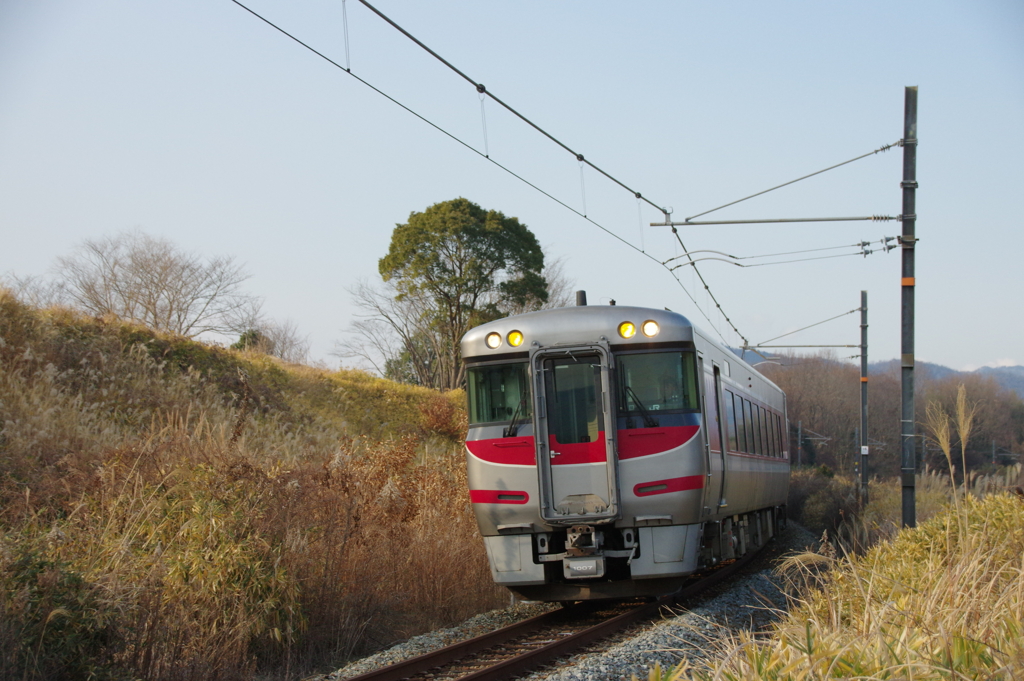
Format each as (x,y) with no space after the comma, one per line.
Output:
(564,647)
(457,651)
(535,658)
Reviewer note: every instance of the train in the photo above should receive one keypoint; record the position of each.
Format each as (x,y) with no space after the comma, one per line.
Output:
(615,451)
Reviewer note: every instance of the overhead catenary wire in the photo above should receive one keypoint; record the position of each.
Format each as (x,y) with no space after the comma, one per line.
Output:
(766,264)
(706,288)
(483,90)
(487,157)
(859,244)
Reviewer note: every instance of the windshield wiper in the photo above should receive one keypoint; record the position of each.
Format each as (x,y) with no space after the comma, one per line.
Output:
(513,427)
(649,421)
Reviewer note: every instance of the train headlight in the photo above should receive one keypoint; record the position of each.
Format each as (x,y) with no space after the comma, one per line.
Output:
(493,340)
(515,338)
(627,329)
(650,328)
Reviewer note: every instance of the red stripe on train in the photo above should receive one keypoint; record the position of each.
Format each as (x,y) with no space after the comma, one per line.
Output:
(646,489)
(633,443)
(515,451)
(497,496)
(646,441)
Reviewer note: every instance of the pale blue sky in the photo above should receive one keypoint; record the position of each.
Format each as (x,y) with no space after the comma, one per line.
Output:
(196,122)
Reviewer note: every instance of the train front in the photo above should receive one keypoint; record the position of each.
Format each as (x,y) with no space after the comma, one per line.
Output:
(585,457)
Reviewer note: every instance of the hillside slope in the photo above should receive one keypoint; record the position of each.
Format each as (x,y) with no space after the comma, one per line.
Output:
(172,510)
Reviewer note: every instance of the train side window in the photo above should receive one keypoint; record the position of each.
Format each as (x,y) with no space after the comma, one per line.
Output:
(751,426)
(763,418)
(741,426)
(773,426)
(783,435)
(758,429)
(730,413)
(498,391)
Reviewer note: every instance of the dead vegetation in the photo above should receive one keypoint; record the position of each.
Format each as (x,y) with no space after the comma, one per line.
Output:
(170,510)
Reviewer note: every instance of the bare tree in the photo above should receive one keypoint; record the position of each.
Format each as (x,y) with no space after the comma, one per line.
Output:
(395,335)
(36,291)
(149,280)
(280,339)
(561,292)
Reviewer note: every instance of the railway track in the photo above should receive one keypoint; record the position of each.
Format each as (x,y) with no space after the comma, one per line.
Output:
(522,647)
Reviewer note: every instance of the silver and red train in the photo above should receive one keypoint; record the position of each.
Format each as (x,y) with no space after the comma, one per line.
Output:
(612,451)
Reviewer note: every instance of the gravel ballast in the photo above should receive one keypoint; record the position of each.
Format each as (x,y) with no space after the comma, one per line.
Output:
(751,601)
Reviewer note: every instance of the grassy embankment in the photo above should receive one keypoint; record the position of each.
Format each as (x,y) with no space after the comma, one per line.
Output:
(941,601)
(170,510)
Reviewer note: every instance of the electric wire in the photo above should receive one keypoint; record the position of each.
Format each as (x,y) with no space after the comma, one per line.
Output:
(706,288)
(485,156)
(483,90)
(344,20)
(765,264)
(860,244)
(786,184)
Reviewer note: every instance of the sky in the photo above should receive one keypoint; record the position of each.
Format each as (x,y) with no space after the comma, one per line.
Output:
(199,123)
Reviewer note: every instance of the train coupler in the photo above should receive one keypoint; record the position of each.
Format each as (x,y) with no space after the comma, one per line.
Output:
(582,540)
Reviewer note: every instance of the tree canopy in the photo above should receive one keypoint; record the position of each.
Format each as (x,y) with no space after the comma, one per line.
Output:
(462,265)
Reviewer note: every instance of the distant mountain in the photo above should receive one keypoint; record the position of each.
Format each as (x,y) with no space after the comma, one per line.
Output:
(1011,378)
(1008,377)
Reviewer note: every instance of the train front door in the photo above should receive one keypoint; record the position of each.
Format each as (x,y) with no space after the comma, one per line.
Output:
(575,438)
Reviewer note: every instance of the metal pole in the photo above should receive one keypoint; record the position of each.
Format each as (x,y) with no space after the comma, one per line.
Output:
(908,241)
(863,399)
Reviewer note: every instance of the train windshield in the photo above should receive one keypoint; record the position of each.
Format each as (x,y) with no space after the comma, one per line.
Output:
(657,381)
(499,392)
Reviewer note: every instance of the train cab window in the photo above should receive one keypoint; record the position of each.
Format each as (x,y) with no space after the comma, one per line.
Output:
(499,392)
(574,412)
(773,434)
(655,382)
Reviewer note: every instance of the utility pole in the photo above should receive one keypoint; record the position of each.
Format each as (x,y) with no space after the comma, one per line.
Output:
(863,400)
(908,462)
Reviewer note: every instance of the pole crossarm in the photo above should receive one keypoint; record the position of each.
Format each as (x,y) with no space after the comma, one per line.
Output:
(872,218)
(883,148)
(755,347)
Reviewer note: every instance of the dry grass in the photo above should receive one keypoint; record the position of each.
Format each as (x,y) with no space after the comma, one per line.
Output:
(169,511)
(944,601)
